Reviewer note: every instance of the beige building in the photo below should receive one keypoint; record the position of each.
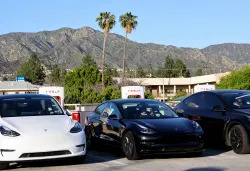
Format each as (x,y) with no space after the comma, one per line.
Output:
(169,87)
(17,87)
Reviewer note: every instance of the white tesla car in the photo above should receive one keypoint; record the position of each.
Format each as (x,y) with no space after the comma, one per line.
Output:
(34,127)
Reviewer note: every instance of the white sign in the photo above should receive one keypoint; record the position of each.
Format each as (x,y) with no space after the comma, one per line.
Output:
(135,91)
(207,87)
(56,92)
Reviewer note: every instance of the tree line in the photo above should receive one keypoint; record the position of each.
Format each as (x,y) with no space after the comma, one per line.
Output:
(82,85)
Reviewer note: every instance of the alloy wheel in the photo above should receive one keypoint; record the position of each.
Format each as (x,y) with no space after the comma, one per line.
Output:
(236,140)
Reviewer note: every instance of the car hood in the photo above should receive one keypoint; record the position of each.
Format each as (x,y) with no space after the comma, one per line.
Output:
(168,125)
(38,124)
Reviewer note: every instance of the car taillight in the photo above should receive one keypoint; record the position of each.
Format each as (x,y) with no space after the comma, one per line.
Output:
(76,116)
(195,118)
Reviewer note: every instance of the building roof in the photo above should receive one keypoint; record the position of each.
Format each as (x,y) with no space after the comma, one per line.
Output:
(131,100)
(212,78)
(17,85)
(15,96)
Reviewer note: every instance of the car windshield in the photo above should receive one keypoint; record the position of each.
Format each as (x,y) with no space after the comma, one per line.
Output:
(146,110)
(237,101)
(18,107)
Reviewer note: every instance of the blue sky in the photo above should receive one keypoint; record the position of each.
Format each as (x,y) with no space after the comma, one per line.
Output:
(182,23)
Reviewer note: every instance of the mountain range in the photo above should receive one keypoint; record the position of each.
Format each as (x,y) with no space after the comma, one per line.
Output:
(67,46)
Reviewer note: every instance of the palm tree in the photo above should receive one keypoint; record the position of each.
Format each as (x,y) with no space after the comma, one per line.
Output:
(129,23)
(106,22)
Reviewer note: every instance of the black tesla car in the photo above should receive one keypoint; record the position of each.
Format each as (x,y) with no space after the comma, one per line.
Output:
(224,115)
(142,126)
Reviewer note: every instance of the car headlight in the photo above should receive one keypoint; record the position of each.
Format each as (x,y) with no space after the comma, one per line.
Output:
(77,128)
(145,130)
(8,132)
(197,127)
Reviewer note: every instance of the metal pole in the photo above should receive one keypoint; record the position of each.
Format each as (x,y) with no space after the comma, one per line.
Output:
(163,90)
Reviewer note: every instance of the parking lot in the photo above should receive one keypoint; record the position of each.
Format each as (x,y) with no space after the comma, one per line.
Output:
(213,159)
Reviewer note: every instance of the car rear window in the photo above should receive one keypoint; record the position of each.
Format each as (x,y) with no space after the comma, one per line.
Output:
(18,107)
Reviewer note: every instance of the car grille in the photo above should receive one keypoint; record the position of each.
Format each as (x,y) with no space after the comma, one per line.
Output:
(177,139)
(45,154)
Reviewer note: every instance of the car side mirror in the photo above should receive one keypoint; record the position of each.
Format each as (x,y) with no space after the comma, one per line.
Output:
(180,112)
(113,117)
(67,112)
(217,108)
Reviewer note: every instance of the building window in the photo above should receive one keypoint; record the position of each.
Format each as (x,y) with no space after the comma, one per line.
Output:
(31,92)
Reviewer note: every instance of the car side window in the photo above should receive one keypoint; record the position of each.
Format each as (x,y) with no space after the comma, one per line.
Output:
(115,110)
(195,101)
(211,100)
(100,108)
(110,109)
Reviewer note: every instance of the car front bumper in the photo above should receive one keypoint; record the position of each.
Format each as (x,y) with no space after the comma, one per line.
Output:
(41,147)
(162,144)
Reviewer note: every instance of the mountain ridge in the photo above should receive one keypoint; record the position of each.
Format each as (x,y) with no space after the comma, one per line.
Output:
(66,47)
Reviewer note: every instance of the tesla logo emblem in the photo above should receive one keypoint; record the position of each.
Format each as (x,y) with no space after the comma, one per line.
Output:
(45,130)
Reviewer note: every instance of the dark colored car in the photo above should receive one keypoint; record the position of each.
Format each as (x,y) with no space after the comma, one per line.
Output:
(142,126)
(224,115)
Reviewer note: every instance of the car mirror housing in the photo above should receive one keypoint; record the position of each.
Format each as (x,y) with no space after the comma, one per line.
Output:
(113,117)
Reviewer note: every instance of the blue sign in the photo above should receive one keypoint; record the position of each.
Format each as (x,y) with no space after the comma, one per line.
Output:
(20,78)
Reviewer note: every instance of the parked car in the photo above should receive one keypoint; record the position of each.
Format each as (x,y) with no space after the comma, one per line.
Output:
(34,127)
(222,114)
(142,126)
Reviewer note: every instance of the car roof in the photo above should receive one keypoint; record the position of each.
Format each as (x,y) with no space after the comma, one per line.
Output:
(131,100)
(221,92)
(14,96)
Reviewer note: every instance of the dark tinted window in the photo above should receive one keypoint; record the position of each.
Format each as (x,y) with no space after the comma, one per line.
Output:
(110,109)
(212,100)
(114,110)
(29,107)
(195,101)
(237,100)
(100,108)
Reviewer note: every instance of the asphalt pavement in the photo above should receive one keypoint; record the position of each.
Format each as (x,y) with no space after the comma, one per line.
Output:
(219,159)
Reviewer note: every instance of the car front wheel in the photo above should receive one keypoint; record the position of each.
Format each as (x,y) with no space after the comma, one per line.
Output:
(129,146)
(3,165)
(239,140)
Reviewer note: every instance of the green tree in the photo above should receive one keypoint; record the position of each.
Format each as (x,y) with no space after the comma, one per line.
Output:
(129,23)
(140,73)
(32,70)
(181,69)
(5,78)
(169,67)
(148,95)
(57,75)
(237,79)
(198,72)
(150,71)
(109,93)
(181,93)
(106,21)
(80,80)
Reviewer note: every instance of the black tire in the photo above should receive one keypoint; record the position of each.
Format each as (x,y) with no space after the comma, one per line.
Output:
(89,140)
(239,140)
(197,154)
(3,165)
(78,159)
(129,146)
